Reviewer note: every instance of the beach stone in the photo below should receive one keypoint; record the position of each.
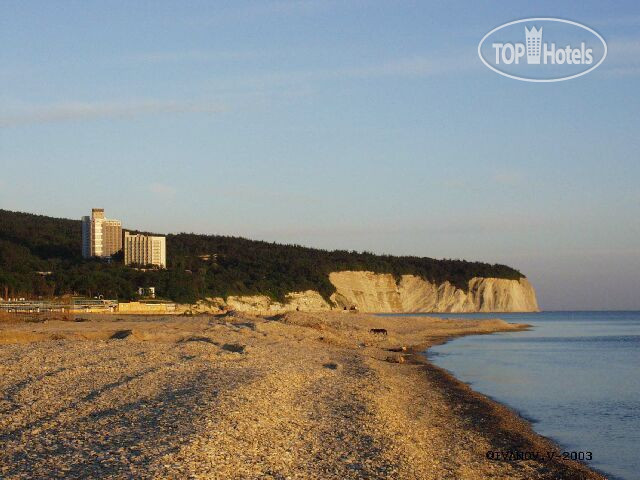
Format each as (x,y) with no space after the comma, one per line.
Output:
(234,347)
(395,359)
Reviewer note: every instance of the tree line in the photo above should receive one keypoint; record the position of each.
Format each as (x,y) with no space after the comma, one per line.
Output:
(41,256)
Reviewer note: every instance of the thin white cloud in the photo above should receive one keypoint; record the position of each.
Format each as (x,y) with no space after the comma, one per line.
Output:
(619,21)
(248,11)
(623,57)
(282,7)
(508,178)
(624,46)
(252,193)
(417,66)
(456,183)
(624,71)
(190,56)
(582,252)
(71,111)
(487,225)
(162,189)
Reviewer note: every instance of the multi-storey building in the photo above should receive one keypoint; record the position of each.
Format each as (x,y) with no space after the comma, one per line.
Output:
(101,237)
(145,250)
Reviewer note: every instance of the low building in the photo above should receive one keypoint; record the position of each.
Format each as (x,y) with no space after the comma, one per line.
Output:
(149,307)
(149,292)
(145,250)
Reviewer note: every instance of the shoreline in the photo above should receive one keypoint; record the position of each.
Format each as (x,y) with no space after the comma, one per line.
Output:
(299,395)
(511,431)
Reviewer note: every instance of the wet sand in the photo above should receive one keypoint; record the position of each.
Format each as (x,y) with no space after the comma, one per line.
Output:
(298,396)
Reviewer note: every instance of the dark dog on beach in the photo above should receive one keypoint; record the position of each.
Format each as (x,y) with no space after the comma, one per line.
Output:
(381,331)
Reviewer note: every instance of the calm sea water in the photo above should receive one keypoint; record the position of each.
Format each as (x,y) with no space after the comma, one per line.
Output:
(575,375)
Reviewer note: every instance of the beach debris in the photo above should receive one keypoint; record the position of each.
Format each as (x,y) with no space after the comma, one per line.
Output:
(121,334)
(197,338)
(395,359)
(398,349)
(36,319)
(331,365)
(235,347)
(378,331)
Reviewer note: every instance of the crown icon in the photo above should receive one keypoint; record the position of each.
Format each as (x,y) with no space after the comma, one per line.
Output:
(534,41)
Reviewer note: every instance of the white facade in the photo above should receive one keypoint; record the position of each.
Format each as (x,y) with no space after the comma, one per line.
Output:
(101,237)
(145,250)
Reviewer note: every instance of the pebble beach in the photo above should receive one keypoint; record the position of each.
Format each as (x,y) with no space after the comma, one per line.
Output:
(300,395)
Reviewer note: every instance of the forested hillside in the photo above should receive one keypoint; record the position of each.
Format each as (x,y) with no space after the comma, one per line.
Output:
(198,265)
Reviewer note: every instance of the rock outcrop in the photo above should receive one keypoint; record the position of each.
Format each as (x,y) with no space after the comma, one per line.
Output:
(375,292)
(308,301)
(379,292)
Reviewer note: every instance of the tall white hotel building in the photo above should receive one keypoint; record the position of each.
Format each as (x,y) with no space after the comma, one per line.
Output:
(101,237)
(145,250)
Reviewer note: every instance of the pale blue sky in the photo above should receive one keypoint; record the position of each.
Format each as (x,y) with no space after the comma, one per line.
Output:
(336,124)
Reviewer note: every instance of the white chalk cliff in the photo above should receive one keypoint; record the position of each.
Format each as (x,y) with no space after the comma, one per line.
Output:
(375,292)
(379,292)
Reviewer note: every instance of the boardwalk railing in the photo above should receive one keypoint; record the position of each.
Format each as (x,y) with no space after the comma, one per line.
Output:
(76,305)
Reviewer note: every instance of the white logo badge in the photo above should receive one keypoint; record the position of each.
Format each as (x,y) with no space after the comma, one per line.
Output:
(534,39)
(567,50)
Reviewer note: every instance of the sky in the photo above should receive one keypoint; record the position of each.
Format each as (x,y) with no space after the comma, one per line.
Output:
(361,125)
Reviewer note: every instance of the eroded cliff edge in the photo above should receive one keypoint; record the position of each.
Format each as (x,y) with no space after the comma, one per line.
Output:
(380,293)
(371,292)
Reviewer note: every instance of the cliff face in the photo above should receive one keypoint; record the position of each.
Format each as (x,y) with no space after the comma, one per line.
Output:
(373,292)
(308,301)
(377,292)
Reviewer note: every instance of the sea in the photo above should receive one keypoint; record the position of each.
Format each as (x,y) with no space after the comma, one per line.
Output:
(574,375)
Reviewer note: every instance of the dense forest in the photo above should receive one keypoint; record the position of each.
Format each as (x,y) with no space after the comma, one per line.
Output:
(41,256)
